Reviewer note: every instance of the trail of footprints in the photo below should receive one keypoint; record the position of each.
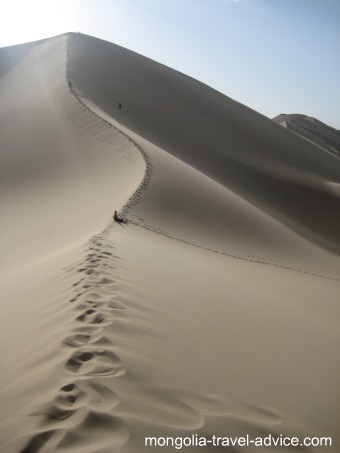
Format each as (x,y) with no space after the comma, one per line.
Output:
(316,272)
(95,299)
(84,400)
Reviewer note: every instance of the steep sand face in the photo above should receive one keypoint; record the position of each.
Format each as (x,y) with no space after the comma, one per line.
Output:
(223,139)
(206,313)
(312,129)
(186,205)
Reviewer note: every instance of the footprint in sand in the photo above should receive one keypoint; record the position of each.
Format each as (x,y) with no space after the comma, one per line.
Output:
(109,434)
(78,282)
(93,303)
(68,408)
(76,409)
(95,362)
(101,277)
(76,297)
(91,316)
(87,270)
(107,253)
(79,339)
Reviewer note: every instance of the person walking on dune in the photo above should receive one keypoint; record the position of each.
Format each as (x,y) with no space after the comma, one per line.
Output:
(116,218)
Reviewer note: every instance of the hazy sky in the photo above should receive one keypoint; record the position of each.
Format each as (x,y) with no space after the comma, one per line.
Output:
(275,56)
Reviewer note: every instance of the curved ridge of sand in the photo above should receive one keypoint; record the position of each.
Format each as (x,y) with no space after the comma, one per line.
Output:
(61,144)
(137,193)
(132,333)
(235,146)
(51,208)
(183,204)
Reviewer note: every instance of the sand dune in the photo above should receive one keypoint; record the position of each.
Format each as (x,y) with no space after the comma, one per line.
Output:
(312,129)
(212,311)
(237,147)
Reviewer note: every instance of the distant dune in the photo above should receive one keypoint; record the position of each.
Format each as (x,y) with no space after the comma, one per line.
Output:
(312,129)
(210,309)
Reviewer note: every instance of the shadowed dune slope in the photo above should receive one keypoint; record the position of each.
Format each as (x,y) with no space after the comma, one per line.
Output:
(312,129)
(238,148)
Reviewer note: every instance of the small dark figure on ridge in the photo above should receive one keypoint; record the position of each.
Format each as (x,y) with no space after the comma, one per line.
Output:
(119,105)
(117,218)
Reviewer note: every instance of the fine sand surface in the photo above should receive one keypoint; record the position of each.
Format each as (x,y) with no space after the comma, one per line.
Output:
(312,129)
(214,310)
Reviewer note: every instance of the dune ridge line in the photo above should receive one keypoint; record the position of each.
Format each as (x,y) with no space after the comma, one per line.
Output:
(136,195)
(81,400)
(134,333)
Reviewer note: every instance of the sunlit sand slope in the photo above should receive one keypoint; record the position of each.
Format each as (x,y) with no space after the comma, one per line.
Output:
(63,170)
(63,173)
(212,311)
